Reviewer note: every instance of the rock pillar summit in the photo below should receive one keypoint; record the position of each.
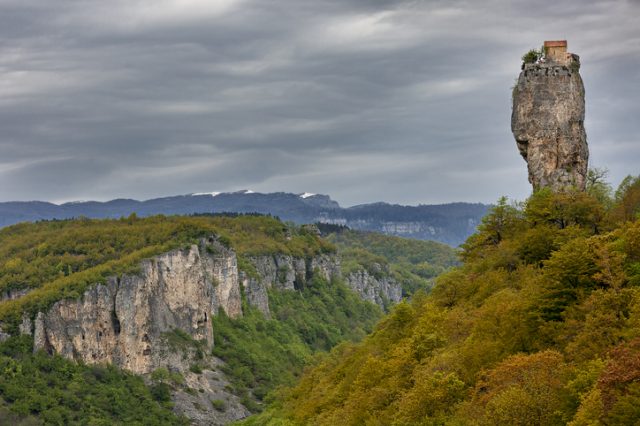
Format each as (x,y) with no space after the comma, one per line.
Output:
(548,118)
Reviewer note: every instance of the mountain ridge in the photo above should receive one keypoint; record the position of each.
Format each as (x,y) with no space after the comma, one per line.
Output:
(449,223)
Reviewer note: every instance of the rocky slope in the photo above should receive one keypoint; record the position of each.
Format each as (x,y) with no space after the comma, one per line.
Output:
(284,272)
(548,122)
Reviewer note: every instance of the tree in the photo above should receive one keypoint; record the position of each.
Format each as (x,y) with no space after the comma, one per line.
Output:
(597,186)
(524,390)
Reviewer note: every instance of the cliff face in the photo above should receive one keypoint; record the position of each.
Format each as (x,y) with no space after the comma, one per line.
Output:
(284,272)
(124,321)
(381,289)
(548,123)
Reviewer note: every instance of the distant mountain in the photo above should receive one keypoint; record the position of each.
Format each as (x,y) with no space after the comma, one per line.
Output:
(447,223)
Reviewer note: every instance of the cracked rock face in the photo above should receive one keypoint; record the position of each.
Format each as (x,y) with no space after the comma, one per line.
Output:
(381,290)
(548,124)
(284,272)
(123,322)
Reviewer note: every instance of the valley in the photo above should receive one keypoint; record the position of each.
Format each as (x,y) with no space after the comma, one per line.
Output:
(213,312)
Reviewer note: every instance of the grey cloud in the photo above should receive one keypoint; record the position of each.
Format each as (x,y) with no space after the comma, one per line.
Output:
(402,101)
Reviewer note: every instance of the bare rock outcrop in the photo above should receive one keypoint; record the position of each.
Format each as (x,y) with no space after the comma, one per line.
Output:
(377,287)
(13,294)
(548,120)
(212,404)
(284,272)
(124,321)
(3,335)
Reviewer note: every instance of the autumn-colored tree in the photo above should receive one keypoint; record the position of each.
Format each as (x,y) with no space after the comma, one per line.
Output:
(537,327)
(627,199)
(524,390)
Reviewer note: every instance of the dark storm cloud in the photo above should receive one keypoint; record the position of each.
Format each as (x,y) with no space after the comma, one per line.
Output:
(403,101)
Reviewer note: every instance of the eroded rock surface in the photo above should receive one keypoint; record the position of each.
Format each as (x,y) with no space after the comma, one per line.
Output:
(377,287)
(284,272)
(124,321)
(548,123)
(208,402)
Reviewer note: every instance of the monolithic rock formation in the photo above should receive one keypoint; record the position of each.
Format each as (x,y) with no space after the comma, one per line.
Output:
(548,120)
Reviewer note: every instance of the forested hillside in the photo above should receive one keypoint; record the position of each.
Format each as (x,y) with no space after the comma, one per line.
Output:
(51,261)
(539,326)
(412,263)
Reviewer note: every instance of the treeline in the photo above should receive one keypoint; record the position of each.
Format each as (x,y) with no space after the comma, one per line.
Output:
(539,326)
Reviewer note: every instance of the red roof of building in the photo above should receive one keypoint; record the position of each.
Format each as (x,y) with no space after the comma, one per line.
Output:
(555,43)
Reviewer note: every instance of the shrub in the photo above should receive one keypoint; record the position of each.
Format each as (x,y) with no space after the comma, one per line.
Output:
(532,56)
(219,404)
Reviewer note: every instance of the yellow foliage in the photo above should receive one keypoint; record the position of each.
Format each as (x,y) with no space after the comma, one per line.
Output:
(590,411)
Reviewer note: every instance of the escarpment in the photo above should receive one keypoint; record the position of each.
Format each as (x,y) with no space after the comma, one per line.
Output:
(163,317)
(548,120)
(124,321)
(284,272)
(376,286)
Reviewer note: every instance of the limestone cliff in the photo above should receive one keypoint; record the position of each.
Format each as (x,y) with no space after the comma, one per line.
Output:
(134,321)
(284,272)
(123,322)
(126,320)
(377,287)
(548,120)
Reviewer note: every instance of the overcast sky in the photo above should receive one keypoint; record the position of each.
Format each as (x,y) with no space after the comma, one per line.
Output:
(365,100)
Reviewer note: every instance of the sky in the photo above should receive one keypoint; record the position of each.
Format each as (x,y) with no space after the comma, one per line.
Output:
(406,102)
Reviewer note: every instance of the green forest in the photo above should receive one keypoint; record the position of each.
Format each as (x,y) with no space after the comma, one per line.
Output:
(261,354)
(540,325)
(43,389)
(60,259)
(264,353)
(413,263)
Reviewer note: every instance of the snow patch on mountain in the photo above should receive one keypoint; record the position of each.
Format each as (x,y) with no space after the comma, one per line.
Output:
(213,194)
